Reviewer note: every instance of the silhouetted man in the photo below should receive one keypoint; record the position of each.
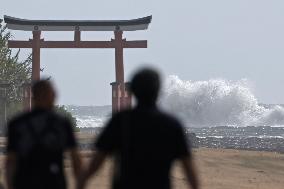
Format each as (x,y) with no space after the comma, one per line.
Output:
(36,143)
(144,141)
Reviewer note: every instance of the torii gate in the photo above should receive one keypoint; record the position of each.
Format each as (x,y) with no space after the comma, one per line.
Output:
(121,97)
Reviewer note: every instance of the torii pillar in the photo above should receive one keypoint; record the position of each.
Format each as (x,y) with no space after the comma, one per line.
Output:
(36,55)
(121,96)
(27,95)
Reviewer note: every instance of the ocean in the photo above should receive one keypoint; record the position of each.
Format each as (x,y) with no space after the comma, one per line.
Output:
(219,112)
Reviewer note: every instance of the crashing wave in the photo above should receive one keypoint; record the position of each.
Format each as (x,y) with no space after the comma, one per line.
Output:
(217,102)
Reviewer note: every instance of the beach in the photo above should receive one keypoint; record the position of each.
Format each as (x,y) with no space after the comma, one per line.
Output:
(218,169)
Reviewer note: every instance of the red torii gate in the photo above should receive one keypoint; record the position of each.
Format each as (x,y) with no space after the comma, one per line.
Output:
(121,97)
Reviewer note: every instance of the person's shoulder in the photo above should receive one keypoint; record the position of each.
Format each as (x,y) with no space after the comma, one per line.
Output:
(19,118)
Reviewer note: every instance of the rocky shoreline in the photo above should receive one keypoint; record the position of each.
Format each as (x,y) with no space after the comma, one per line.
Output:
(257,138)
(237,143)
(254,138)
(250,143)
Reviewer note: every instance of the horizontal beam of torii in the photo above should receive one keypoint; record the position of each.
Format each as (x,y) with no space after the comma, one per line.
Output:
(118,43)
(77,44)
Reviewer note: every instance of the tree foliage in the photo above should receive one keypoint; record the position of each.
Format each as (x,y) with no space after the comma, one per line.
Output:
(13,71)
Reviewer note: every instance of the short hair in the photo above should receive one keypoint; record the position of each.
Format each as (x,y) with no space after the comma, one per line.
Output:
(145,85)
(40,88)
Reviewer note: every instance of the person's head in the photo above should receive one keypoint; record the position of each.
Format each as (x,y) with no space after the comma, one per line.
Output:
(145,86)
(43,94)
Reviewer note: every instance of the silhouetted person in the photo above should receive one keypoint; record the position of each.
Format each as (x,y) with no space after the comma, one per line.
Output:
(144,142)
(36,143)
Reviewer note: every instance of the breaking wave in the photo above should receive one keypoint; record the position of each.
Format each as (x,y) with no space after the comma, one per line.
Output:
(217,102)
(90,121)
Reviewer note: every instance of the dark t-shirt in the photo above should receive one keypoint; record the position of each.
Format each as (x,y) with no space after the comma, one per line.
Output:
(39,139)
(144,142)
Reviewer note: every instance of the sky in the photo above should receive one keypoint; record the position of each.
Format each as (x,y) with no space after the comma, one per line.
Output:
(195,40)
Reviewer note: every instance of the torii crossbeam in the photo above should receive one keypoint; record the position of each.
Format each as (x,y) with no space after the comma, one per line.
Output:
(120,95)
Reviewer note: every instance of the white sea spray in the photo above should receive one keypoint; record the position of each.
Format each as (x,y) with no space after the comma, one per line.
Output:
(217,102)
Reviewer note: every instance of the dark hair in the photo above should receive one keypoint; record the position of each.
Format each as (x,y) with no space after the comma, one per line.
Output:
(145,85)
(39,88)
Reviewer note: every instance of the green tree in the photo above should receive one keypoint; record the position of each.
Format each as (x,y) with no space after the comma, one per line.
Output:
(13,71)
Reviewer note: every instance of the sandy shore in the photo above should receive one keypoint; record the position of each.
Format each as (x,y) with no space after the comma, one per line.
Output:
(219,169)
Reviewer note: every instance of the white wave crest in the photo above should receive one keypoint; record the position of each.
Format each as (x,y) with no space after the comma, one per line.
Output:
(90,121)
(217,102)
